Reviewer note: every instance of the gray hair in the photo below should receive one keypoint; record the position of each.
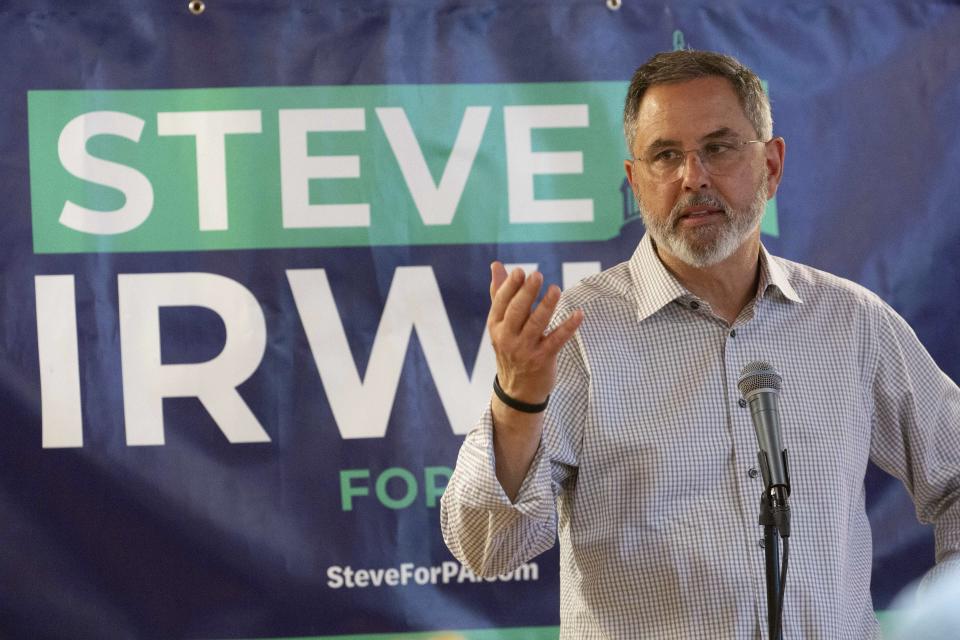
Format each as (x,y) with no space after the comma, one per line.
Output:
(679,66)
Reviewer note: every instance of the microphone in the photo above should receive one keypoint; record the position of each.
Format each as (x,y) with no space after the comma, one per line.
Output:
(759,384)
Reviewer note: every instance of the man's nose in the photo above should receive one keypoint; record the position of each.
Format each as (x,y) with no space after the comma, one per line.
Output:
(695,175)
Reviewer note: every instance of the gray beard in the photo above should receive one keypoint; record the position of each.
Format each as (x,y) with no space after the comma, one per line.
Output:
(707,246)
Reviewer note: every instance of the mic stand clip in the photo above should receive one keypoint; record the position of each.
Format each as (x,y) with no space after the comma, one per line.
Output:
(775,518)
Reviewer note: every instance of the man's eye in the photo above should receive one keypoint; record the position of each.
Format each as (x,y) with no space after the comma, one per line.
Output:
(717,148)
(666,156)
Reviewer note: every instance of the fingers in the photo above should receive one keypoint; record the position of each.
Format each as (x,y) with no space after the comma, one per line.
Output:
(518,310)
(504,293)
(498,274)
(512,297)
(540,317)
(559,336)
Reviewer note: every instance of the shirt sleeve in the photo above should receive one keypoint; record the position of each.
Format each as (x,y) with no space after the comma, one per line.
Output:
(481,527)
(916,434)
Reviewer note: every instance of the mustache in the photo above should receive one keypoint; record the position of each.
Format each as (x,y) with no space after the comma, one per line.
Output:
(698,200)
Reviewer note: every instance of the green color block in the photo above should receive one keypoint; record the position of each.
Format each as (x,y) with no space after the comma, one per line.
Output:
(583,163)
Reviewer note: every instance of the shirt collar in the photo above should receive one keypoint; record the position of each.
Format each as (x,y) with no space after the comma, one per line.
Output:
(654,286)
(773,275)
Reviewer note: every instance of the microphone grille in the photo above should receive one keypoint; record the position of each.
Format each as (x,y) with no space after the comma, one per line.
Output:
(758,375)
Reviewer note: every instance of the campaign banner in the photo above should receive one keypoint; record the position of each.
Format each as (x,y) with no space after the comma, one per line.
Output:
(245,276)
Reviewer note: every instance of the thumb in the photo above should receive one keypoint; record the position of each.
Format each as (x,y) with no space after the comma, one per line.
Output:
(498,274)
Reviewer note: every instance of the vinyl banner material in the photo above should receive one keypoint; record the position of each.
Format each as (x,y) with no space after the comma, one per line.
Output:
(245,279)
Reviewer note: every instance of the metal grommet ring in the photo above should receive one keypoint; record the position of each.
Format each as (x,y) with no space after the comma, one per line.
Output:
(196,7)
(613,5)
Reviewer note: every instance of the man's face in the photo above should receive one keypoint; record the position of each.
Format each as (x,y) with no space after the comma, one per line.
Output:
(701,218)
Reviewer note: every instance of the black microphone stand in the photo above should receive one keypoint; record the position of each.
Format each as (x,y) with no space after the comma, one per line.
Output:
(775,519)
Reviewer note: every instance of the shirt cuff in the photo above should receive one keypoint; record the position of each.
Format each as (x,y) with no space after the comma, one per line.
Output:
(535,498)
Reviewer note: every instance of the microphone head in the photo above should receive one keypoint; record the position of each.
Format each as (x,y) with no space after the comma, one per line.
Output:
(758,375)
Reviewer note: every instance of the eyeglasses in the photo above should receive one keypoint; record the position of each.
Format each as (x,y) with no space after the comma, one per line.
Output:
(718,157)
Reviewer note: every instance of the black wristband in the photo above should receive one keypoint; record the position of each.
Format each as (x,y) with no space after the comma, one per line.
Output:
(513,403)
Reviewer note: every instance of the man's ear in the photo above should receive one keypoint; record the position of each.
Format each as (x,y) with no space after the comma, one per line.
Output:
(775,151)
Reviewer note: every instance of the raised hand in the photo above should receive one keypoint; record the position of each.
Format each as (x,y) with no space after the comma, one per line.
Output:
(526,357)
(526,364)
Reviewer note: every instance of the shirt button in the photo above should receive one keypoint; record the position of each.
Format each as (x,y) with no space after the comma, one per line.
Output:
(742,403)
(753,473)
(733,333)
(760,543)
(694,305)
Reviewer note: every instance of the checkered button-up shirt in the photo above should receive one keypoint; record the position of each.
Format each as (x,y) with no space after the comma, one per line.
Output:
(645,469)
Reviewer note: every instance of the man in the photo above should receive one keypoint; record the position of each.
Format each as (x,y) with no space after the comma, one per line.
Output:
(644,461)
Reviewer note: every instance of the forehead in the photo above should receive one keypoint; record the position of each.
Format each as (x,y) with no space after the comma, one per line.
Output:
(686,111)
